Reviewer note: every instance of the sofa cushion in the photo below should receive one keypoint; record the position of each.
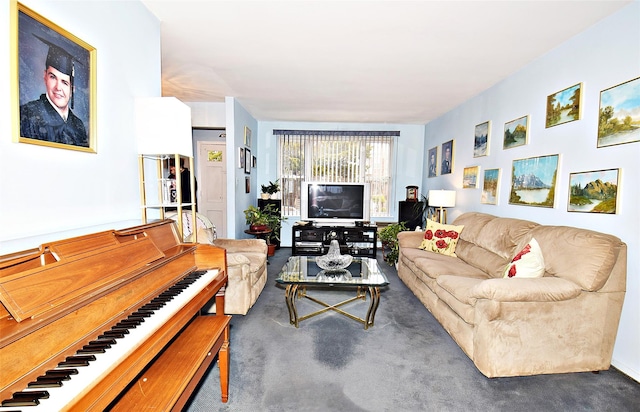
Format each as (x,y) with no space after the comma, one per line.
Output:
(527,263)
(435,265)
(441,238)
(583,256)
(545,289)
(455,292)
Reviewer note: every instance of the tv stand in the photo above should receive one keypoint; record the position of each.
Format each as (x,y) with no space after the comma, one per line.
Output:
(312,240)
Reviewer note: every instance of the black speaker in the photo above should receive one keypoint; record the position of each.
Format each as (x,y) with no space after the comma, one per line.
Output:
(411,214)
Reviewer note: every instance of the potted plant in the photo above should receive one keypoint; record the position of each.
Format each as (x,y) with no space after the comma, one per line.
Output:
(274,222)
(388,236)
(256,219)
(270,189)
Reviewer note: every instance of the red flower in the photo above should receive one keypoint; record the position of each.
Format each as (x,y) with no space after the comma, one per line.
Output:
(428,235)
(452,234)
(512,271)
(441,244)
(441,233)
(523,252)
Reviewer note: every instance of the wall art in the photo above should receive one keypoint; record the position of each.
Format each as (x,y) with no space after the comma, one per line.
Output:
(481,139)
(446,166)
(516,133)
(247,136)
(247,162)
(533,181)
(470,177)
(247,184)
(490,186)
(433,162)
(594,192)
(241,157)
(54,97)
(564,106)
(619,120)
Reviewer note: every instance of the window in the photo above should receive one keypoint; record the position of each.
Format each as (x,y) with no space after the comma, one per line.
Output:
(336,156)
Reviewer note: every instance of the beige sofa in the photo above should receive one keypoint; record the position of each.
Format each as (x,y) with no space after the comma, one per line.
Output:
(565,321)
(246,264)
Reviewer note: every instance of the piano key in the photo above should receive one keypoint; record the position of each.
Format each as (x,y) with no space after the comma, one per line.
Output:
(61,372)
(87,376)
(31,395)
(42,382)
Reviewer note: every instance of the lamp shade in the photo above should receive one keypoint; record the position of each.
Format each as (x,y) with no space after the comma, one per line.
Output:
(163,126)
(442,198)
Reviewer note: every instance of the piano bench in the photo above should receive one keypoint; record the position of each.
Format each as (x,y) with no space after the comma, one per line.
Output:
(171,379)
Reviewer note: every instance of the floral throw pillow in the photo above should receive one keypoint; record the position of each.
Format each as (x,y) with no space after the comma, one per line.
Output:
(528,263)
(441,238)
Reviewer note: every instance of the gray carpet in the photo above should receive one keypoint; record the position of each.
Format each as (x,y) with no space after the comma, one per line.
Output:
(406,362)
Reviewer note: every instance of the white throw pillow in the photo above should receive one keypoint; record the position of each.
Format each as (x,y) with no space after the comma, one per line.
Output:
(528,263)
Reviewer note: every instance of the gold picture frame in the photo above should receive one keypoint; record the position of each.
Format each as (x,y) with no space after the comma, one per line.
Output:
(247,136)
(54,84)
(564,106)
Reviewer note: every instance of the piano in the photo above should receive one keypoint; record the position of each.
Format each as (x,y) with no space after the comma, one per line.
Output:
(98,322)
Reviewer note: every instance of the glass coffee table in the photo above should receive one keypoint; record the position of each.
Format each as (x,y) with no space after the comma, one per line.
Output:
(302,272)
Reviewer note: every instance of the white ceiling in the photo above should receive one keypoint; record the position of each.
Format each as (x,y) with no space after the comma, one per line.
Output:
(357,61)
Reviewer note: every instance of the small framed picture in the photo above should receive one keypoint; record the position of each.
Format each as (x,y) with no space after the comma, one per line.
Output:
(516,133)
(433,162)
(447,158)
(247,184)
(564,106)
(470,177)
(619,114)
(490,186)
(254,162)
(241,157)
(247,136)
(481,140)
(594,192)
(247,162)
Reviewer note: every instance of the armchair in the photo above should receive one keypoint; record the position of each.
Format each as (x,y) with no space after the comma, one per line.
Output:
(246,264)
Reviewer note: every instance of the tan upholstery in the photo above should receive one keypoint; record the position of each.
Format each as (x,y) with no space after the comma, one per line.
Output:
(563,322)
(246,265)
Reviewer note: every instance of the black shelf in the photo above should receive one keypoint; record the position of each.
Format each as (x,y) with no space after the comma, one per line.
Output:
(312,240)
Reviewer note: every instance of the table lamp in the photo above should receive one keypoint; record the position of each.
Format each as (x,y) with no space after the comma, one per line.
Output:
(442,199)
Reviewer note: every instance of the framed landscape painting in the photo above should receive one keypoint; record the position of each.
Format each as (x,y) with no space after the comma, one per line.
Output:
(470,177)
(564,106)
(619,120)
(490,187)
(481,140)
(516,133)
(533,181)
(433,162)
(594,192)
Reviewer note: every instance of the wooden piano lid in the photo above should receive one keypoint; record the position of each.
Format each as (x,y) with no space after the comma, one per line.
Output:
(72,271)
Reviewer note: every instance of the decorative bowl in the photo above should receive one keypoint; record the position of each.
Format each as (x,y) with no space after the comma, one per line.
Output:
(334,262)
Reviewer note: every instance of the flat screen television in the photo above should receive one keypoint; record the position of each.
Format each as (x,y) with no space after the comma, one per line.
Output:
(329,203)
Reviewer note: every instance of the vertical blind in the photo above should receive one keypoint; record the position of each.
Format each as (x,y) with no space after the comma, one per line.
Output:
(336,156)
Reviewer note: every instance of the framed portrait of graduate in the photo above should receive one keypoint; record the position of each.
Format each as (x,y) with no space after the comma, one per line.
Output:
(54,91)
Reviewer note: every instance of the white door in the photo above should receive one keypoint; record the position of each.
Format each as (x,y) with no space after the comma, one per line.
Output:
(213,184)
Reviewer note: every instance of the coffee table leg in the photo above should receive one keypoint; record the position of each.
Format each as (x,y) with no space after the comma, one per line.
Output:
(290,298)
(374,292)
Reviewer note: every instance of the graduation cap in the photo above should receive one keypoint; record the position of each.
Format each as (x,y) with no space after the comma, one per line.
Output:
(61,60)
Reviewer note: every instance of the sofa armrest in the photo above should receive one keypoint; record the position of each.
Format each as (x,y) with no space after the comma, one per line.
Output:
(545,289)
(410,238)
(242,245)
